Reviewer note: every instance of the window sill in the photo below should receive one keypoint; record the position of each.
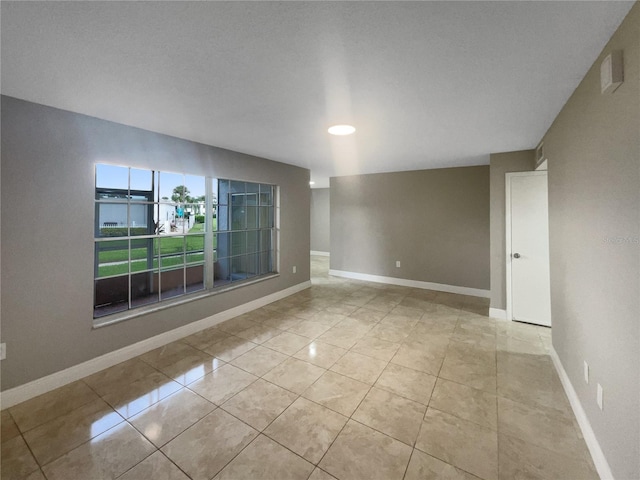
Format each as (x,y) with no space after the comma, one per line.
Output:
(156,307)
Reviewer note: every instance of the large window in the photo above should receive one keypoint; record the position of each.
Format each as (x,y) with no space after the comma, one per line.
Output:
(244,240)
(160,235)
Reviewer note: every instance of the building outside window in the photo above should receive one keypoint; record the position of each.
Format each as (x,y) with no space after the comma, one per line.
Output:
(161,235)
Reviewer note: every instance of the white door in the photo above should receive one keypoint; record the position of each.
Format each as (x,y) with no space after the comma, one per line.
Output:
(528,291)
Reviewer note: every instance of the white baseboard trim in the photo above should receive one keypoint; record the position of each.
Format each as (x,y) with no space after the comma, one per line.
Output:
(42,385)
(498,314)
(475,292)
(599,460)
(321,254)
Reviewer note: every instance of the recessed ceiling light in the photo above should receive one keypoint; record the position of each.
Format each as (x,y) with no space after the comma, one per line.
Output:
(312,183)
(341,130)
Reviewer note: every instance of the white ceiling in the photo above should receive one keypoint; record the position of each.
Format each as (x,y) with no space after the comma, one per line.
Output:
(427,84)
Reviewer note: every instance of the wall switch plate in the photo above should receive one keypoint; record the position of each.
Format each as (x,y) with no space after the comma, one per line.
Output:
(397,263)
(294,269)
(586,372)
(599,397)
(3,351)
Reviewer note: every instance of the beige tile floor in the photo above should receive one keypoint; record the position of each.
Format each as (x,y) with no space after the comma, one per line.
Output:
(345,380)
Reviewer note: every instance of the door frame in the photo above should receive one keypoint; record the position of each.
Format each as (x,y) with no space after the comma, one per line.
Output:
(508,250)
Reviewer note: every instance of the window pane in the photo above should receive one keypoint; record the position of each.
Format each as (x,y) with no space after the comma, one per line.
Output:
(144,254)
(156,187)
(171,187)
(221,272)
(112,177)
(143,185)
(112,258)
(252,199)
(223,218)
(180,219)
(111,220)
(265,240)
(266,217)
(141,219)
(171,252)
(239,268)
(214,191)
(252,217)
(238,199)
(195,278)
(166,219)
(144,288)
(253,241)
(195,248)
(168,262)
(238,243)
(199,219)
(253,191)
(224,190)
(194,189)
(158,226)
(238,187)
(224,244)
(172,283)
(142,182)
(214,218)
(266,195)
(238,218)
(111,295)
(252,265)
(265,263)
(194,218)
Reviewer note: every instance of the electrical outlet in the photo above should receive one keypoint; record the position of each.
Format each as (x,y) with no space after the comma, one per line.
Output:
(600,397)
(294,269)
(586,372)
(397,263)
(3,351)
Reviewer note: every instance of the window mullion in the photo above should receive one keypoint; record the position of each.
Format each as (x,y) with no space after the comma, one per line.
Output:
(119,200)
(208,234)
(129,238)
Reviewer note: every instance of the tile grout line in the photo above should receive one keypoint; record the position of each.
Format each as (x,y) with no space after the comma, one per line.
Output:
(41,465)
(298,396)
(54,418)
(352,413)
(142,460)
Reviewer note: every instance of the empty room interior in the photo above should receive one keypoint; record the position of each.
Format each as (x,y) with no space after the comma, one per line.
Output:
(320,240)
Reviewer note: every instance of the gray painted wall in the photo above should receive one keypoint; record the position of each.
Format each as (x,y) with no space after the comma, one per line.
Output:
(436,222)
(320,209)
(48,158)
(593,149)
(500,164)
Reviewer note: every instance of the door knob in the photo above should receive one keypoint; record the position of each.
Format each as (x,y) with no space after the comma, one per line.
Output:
(516,255)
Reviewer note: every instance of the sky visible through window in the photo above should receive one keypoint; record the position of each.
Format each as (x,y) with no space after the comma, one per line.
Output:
(111,176)
(152,236)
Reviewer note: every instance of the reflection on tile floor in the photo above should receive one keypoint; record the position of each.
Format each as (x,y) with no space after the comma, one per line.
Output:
(345,380)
